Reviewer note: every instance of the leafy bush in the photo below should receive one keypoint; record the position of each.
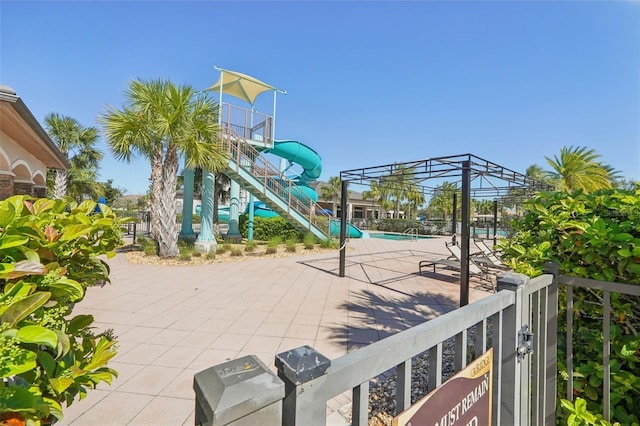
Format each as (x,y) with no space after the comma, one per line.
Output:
(290,245)
(309,241)
(266,228)
(223,248)
(48,257)
(272,245)
(591,236)
(250,246)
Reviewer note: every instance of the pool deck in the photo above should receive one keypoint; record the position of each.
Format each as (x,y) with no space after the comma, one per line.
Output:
(173,321)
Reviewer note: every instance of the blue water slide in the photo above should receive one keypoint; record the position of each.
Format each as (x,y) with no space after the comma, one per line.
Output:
(310,162)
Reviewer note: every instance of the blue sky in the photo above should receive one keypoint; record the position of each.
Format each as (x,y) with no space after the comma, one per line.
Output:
(368,83)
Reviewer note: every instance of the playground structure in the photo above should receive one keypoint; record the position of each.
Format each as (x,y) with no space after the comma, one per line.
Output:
(247,136)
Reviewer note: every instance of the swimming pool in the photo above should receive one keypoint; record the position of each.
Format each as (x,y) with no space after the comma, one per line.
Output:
(397,236)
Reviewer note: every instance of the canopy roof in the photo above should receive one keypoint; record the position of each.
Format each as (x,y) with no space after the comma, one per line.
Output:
(240,85)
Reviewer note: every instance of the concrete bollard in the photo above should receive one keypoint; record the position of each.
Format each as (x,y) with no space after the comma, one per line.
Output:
(240,392)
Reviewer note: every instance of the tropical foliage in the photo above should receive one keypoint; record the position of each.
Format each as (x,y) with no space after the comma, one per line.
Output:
(441,203)
(580,168)
(379,194)
(162,121)
(591,236)
(78,143)
(331,191)
(48,257)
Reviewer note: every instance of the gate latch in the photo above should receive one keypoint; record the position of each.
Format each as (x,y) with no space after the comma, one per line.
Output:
(525,341)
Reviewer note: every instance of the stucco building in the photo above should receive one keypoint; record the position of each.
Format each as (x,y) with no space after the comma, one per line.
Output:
(26,151)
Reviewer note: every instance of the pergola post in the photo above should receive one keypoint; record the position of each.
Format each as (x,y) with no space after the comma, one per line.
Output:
(464,237)
(455,214)
(495,222)
(343,227)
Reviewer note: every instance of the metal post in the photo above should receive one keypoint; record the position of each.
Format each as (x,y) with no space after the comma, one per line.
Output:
(251,214)
(295,368)
(343,228)
(134,232)
(464,237)
(552,345)
(455,214)
(495,222)
(514,392)
(187,203)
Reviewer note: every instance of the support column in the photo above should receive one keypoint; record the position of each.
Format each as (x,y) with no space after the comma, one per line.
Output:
(495,223)
(206,241)
(454,225)
(233,234)
(464,234)
(250,224)
(343,229)
(186,232)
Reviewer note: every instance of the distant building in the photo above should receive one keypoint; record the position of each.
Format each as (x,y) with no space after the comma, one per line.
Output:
(26,151)
(357,206)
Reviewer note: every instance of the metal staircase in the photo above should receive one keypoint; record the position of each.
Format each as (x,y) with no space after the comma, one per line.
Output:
(264,181)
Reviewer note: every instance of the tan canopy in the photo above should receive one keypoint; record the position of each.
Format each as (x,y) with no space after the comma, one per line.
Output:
(240,85)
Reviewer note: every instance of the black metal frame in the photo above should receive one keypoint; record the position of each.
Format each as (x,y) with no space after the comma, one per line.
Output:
(478,177)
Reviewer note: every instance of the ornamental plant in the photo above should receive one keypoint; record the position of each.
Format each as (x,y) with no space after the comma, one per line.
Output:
(593,236)
(49,255)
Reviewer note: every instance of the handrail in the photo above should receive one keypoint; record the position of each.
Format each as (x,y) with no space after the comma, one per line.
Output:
(413,232)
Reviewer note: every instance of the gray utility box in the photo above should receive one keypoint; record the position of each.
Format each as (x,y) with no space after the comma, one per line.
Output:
(240,392)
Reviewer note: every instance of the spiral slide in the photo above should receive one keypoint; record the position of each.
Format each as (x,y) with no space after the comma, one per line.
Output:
(311,164)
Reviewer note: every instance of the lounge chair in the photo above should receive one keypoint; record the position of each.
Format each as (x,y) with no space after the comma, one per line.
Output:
(488,257)
(453,262)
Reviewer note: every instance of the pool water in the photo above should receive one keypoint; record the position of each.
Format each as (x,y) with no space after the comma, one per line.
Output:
(398,237)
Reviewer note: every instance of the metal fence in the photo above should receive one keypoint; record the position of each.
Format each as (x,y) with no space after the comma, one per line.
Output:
(520,324)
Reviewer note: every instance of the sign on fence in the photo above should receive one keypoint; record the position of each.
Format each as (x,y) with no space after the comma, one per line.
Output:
(464,399)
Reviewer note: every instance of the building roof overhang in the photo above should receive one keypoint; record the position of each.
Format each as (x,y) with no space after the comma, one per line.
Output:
(17,121)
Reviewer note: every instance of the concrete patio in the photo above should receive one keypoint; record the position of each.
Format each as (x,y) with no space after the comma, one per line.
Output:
(172,322)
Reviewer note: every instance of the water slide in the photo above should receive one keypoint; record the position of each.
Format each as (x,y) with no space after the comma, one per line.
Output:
(311,164)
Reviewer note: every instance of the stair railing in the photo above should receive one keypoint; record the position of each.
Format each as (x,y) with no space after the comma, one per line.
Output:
(249,159)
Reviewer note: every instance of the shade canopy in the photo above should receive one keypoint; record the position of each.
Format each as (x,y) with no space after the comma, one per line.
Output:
(240,85)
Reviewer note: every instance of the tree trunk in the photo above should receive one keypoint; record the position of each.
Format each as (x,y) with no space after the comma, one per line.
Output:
(60,184)
(168,231)
(156,190)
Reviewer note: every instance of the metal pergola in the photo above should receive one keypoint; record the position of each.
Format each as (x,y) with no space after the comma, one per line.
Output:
(478,178)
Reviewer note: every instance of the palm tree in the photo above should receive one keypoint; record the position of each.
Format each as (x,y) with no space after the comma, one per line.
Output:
(331,191)
(379,194)
(442,201)
(579,168)
(77,143)
(162,121)
(400,185)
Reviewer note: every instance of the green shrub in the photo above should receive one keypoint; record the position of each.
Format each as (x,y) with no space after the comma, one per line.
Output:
(399,225)
(185,257)
(236,251)
(223,248)
(250,246)
(309,241)
(49,255)
(329,243)
(272,245)
(150,251)
(210,256)
(590,236)
(266,228)
(290,245)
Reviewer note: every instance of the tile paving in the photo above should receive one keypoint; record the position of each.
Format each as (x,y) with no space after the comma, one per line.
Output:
(172,322)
